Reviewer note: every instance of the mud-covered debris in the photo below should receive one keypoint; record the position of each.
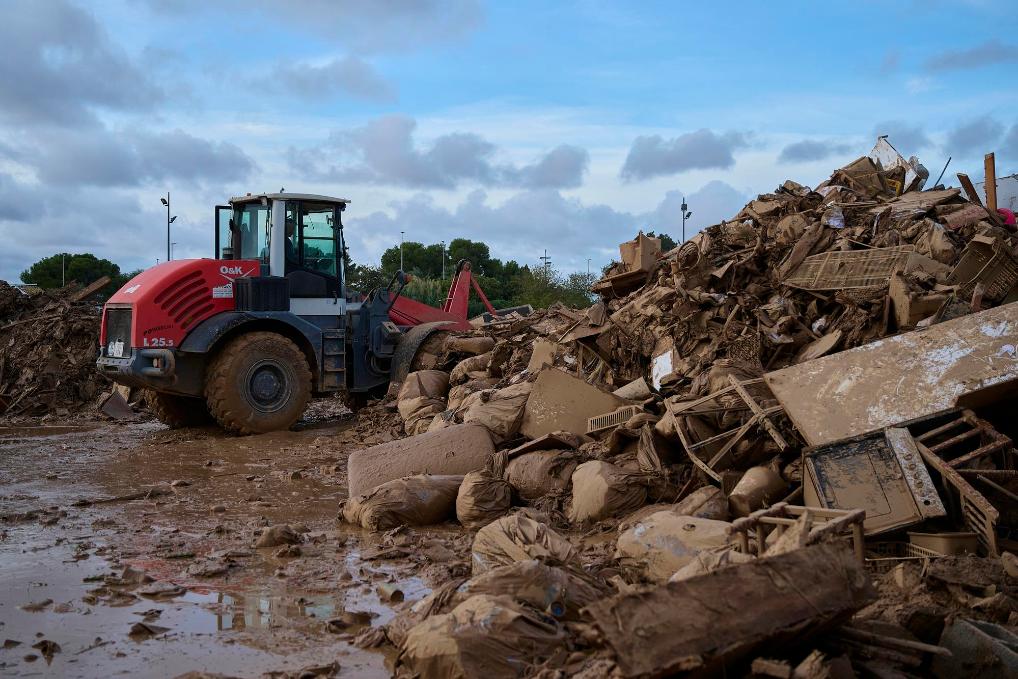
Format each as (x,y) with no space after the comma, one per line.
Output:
(482,497)
(412,501)
(454,450)
(274,536)
(47,648)
(146,630)
(489,636)
(517,538)
(715,620)
(37,606)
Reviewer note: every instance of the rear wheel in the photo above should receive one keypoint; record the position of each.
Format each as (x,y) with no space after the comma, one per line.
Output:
(177,411)
(259,382)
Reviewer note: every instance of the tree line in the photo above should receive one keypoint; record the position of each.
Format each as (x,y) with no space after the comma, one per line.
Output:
(505,283)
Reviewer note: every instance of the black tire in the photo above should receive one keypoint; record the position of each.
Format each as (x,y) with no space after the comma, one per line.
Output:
(259,382)
(177,411)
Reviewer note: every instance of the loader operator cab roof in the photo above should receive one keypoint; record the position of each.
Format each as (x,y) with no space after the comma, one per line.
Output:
(294,235)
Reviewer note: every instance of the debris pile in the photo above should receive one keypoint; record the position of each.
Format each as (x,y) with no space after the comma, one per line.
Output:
(782,448)
(47,353)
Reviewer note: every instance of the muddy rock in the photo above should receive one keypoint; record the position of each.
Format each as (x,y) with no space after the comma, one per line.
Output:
(274,536)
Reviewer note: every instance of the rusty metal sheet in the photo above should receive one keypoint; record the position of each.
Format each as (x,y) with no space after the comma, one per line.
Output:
(841,269)
(900,378)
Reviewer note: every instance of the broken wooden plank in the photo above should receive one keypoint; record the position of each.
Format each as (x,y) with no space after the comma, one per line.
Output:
(91,289)
(970,189)
(990,183)
(708,623)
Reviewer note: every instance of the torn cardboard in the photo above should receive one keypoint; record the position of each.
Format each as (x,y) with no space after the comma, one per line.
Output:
(561,402)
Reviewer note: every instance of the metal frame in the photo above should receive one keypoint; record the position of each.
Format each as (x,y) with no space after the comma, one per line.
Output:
(782,516)
(760,417)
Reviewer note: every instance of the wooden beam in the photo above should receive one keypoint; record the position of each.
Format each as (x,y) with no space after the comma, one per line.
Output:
(93,288)
(990,167)
(970,189)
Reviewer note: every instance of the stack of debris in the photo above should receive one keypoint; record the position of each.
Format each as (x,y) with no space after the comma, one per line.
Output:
(47,352)
(798,413)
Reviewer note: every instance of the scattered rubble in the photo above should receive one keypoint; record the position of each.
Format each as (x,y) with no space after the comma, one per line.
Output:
(47,353)
(747,455)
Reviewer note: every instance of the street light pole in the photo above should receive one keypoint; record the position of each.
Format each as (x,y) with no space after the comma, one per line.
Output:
(63,270)
(443,260)
(401,250)
(166,202)
(685,215)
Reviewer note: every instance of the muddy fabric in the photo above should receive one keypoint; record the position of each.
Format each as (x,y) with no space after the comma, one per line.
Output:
(411,501)
(517,538)
(454,450)
(469,365)
(558,591)
(469,345)
(501,411)
(541,472)
(664,542)
(485,636)
(482,498)
(710,560)
(441,600)
(601,490)
(703,503)
(429,383)
(420,420)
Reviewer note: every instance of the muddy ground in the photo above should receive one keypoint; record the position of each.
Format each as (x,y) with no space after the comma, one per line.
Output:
(106,526)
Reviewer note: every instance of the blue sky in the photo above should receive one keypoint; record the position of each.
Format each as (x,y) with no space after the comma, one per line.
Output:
(566,126)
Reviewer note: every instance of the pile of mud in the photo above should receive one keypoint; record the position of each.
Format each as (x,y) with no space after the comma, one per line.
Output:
(48,348)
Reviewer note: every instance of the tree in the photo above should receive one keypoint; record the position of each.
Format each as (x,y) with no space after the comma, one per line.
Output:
(476,252)
(52,271)
(667,242)
(418,259)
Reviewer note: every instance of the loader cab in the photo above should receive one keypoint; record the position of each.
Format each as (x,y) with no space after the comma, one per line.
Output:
(296,236)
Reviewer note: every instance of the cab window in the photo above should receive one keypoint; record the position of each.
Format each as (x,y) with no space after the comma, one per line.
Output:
(318,238)
(251,221)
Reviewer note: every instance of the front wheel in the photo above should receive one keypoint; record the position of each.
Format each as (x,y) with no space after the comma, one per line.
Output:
(259,382)
(177,411)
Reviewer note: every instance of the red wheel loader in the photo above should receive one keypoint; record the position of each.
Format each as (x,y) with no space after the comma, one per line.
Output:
(246,338)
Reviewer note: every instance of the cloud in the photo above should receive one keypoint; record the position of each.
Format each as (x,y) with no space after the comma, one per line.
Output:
(130,158)
(974,137)
(364,26)
(812,149)
(904,136)
(989,53)
(563,167)
(1009,146)
(654,156)
(385,152)
(530,221)
(58,66)
(347,75)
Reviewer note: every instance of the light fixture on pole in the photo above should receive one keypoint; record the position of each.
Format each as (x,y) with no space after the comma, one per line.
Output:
(401,250)
(169,220)
(685,215)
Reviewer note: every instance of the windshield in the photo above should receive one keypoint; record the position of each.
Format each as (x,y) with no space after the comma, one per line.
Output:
(251,222)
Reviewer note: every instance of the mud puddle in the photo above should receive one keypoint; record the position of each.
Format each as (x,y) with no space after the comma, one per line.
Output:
(80,562)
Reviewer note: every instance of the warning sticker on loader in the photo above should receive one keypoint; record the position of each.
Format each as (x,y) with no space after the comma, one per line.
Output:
(223,291)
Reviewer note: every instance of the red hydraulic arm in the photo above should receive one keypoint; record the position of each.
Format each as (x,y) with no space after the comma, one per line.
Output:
(405,311)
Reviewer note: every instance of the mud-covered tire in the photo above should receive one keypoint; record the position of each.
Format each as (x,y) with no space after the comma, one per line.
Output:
(259,382)
(177,411)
